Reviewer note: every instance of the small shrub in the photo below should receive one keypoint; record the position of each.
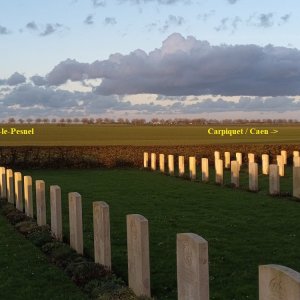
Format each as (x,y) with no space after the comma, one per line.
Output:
(83,271)
(110,288)
(15,217)
(7,208)
(108,284)
(26,227)
(61,254)
(41,236)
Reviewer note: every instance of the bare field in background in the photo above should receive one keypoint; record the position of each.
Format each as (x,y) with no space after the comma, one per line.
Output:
(141,135)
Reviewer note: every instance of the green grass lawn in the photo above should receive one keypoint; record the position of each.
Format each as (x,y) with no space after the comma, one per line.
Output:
(243,229)
(25,272)
(71,135)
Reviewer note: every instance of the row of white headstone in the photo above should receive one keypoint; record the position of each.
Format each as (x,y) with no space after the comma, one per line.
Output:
(18,190)
(275,171)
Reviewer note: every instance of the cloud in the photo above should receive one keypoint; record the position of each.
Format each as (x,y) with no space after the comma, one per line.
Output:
(229,24)
(3,30)
(31,101)
(110,21)
(235,23)
(16,79)
(50,28)
(232,1)
(187,66)
(28,96)
(223,25)
(32,26)
(68,69)
(151,26)
(244,104)
(172,21)
(38,80)
(163,2)
(204,17)
(285,18)
(164,97)
(89,20)
(265,20)
(97,3)
(44,30)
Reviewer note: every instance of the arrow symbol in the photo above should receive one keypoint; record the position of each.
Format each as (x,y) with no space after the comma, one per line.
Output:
(274,131)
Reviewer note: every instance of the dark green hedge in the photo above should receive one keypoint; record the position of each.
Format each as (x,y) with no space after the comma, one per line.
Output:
(121,156)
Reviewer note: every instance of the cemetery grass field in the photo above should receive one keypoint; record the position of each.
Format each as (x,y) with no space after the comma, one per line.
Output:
(107,134)
(25,272)
(243,229)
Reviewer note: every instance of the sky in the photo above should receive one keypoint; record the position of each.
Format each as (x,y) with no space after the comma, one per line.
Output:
(150,58)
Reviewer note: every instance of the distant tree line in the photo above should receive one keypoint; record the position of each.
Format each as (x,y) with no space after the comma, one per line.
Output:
(153,121)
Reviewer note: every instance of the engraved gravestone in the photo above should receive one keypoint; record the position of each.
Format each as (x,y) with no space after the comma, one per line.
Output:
(55,209)
(102,246)
(278,283)
(75,220)
(138,255)
(192,267)
(40,202)
(28,196)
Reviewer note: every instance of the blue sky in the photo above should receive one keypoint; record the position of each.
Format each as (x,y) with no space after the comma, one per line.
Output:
(238,57)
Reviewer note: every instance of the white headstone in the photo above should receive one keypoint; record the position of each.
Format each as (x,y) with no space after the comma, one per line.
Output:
(251,157)
(153,161)
(10,186)
(278,283)
(227,160)
(235,176)
(40,202)
(171,164)
(219,171)
(239,158)
(265,164)
(28,196)
(181,168)
(205,169)
(75,219)
(162,163)
(253,177)
(146,159)
(138,255)
(192,167)
(102,246)
(192,267)
(274,183)
(3,192)
(19,191)
(280,163)
(55,208)
(296,182)
(284,156)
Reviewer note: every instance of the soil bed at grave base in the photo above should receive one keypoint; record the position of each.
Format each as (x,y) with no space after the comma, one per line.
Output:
(230,220)
(122,156)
